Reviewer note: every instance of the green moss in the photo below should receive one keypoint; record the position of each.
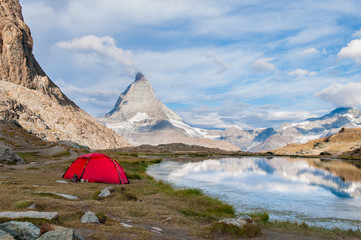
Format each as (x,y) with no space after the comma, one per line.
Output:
(133,176)
(65,153)
(101,217)
(22,204)
(29,157)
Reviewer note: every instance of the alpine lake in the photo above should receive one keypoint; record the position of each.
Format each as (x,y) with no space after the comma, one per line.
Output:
(318,192)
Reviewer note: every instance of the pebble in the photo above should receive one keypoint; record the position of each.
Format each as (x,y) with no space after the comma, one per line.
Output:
(126,225)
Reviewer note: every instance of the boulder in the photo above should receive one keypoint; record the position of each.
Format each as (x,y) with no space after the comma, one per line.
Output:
(21,230)
(63,234)
(105,192)
(89,217)
(239,221)
(6,236)
(8,156)
(29,214)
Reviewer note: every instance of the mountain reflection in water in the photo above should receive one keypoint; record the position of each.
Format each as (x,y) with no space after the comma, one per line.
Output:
(290,189)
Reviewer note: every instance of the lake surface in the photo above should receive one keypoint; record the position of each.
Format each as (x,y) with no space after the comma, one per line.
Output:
(288,189)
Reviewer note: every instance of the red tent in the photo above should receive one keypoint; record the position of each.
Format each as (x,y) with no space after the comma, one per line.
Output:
(96,167)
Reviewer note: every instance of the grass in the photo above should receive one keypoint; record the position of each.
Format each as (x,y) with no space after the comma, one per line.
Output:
(65,153)
(29,157)
(247,231)
(144,203)
(261,218)
(303,228)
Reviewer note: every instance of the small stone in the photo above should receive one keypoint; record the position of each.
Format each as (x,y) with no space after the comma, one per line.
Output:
(89,217)
(21,230)
(126,225)
(167,219)
(32,206)
(29,214)
(105,192)
(157,229)
(6,236)
(61,181)
(154,231)
(67,196)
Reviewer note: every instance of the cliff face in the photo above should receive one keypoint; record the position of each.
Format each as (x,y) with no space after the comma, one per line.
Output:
(28,96)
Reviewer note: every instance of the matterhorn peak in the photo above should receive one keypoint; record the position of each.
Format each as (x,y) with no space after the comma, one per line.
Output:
(139,77)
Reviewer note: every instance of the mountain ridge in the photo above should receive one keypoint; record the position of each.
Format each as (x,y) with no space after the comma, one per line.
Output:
(141,118)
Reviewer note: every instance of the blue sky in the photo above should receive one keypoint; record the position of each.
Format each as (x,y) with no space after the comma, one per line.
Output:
(251,63)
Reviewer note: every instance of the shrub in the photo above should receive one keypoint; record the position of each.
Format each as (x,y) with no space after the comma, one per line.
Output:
(101,217)
(247,231)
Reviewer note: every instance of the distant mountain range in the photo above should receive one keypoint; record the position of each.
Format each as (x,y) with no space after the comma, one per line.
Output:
(312,128)
(141,118)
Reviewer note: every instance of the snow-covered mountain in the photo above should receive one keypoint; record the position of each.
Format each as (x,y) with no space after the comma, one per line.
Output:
(312,128)
(141,118)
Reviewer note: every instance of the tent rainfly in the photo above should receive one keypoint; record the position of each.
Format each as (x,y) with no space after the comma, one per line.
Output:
(96,167)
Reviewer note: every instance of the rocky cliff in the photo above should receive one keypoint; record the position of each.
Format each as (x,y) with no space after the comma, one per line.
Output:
(343,142)
(141,118)
(28,96)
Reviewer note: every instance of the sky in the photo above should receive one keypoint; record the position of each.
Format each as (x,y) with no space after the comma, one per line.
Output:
(245,63)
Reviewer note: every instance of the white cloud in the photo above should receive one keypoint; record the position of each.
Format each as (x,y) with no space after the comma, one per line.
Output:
(309,51)
(222,65)
(357,34)
(263,65)
(301,73)
(347,95)
(353,51)
(103,46)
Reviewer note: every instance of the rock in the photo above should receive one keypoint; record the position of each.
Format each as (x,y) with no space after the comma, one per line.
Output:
(28,96)
(8,156)
(157,229)
(167,219)
(67,196)
(239,221)
(30,214)
(32,206)
(5,236)
(89,217)
(21,230)
(64,234)
(61,181)
(126,225)
(105,192)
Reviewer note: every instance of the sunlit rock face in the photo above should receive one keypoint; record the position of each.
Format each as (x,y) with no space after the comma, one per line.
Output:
(141,118)
(29,97)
